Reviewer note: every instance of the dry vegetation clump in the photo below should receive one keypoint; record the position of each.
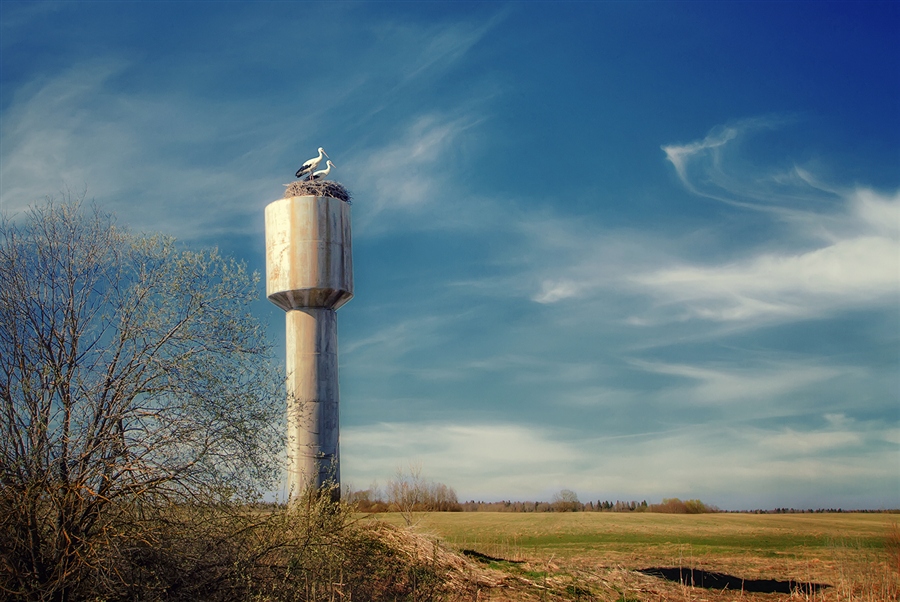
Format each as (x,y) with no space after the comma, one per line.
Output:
(322,188)
(460,577)
(137,395)
(867,574)
(314,550)
(677,506)
(892,547)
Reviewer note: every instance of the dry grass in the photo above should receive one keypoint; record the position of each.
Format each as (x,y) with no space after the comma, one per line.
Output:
(322,188)
(597,557)
(462,578)
(853,575)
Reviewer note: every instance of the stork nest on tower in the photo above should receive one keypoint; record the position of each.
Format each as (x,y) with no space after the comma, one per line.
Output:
(334,190)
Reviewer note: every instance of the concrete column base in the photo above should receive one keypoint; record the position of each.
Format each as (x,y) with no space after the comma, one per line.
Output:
(313,399)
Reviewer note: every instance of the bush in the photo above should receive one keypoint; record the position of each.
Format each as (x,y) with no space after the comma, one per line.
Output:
(410,492)
(566,501)
(676,506)
(134,383)
(308,551)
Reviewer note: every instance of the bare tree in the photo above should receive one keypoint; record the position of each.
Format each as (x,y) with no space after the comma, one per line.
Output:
(406,491)
(409,492)
(132,379)
(566,501)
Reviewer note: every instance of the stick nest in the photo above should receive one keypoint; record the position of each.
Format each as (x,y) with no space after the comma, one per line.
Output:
(335,190)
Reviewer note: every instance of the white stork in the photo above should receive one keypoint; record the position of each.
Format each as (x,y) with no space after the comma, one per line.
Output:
(322,172)
(309,166)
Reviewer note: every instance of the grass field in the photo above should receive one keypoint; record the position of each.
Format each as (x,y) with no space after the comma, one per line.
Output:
(597,556)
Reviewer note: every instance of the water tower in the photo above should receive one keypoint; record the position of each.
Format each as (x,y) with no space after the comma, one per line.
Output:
(309,274)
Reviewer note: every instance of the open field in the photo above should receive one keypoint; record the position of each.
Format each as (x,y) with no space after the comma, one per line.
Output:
(597,556)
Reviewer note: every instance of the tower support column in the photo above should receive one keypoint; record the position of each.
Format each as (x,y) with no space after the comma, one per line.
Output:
(313,398)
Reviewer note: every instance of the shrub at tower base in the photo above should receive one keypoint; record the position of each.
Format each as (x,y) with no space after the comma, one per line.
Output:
(133,382)
(135,389)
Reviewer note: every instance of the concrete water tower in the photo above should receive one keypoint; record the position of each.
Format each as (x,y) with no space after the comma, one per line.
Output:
(309,274)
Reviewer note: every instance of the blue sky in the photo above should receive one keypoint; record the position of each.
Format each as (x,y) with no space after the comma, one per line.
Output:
(636,250)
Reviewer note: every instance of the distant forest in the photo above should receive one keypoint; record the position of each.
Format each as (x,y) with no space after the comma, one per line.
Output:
(669,506)
(421,495)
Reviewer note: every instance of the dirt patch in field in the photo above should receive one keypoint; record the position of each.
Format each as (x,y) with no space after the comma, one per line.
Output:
(712,580)
(486,558)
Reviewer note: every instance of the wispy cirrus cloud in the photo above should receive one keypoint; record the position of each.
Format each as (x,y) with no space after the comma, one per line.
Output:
(407,173)
(841,253)
(793,442)
(466,455)
(175,159)
(401,336)
(444,47)
(759,382)
(137,153)
(857,267)
(714,168)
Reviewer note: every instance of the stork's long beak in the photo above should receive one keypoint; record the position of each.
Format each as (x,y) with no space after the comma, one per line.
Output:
(324,153)
(332,163)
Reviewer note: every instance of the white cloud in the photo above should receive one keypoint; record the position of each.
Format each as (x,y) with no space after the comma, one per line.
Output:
(709,168)
(761,383)
(559,258)
(170,159)
(878,212)
(830,250)
(46,126)
(135,153)
(681,155)
(511,457)
(510,461)
(446,46)
(838,420)
(400,336)
(860,267)
(553,291)
(794,442)
(411,172)
(892,436)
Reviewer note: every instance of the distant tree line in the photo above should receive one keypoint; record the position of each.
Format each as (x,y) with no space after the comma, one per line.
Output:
(816,511)
(563,502)
(409,492)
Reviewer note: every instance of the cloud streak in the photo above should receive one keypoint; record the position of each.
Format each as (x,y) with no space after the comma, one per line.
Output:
(856,271)
(842,255)
(407,174)
(712,168)
(86,126)
(462,454)
(75,130)
(760,383)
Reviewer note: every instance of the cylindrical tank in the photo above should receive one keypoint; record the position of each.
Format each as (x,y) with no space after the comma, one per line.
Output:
(309,274)
(309,260)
